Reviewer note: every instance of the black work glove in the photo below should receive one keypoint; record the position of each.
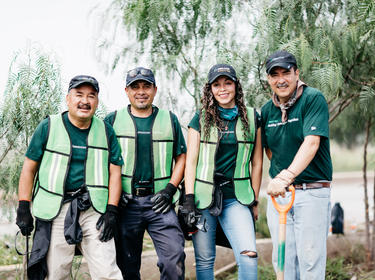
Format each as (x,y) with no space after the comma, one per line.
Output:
(124,199)
(189,212)
(163,199)
(109,222)
(24,219)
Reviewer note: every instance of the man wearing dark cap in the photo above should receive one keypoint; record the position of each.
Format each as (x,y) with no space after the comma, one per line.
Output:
(153,149)
(75,161)
(296,140)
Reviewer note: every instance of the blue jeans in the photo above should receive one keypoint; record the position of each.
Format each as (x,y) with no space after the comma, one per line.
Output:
(306,233)
(238,226)
(165,233)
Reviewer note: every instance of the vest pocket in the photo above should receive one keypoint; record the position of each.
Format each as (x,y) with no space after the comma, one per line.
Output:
(203,194)
(46,205)
(99,198)
(243,191)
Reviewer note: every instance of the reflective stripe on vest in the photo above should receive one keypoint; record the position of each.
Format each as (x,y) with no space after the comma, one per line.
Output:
(162,136)
(204,181)
(54,167)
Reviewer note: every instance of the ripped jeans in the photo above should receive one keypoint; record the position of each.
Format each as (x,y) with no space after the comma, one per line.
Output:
(238,226)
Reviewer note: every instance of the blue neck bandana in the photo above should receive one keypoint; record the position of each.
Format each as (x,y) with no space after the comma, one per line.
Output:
(228,114)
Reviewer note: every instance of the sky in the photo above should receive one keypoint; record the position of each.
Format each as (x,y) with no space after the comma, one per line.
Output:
(69,31)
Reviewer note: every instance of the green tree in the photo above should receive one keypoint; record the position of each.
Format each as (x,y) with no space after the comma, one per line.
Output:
(332,41)
(181,38)
(33,91)
(367,104)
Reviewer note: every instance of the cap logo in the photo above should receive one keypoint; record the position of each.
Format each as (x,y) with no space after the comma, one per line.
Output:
(278,58)
(223,69)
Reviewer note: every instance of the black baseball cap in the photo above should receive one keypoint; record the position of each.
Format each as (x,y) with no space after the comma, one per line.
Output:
(83,79)
(281,59)
(140,73)
(221,70)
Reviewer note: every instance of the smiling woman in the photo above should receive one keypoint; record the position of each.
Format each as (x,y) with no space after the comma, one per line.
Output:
(223,174)
(224,90)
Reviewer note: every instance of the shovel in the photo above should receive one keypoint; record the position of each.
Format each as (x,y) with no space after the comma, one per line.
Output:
(283,210)
(25,262)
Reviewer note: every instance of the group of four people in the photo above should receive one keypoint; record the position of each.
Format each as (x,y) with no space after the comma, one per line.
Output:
(91,180)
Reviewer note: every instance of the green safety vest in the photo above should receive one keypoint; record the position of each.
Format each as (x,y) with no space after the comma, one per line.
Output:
(53,170)
(204,181)
(162,139)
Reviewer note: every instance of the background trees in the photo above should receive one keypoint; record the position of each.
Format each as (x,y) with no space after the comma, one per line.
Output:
(33,91)
(332,40)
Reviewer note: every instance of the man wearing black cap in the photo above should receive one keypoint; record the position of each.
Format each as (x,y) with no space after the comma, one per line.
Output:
(153,149)
(76,161)
(296,139)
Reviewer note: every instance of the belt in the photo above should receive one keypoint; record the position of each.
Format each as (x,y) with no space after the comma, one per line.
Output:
(316,185)
(143,191)
(70,195)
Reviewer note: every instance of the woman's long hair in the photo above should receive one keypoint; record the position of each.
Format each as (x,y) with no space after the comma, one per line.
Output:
(211,112)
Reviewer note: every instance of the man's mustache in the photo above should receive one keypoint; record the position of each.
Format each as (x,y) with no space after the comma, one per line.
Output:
(84,106)
(282,85)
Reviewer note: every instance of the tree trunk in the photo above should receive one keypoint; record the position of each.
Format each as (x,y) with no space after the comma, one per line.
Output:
(373,217)
(364,171)
(373,227)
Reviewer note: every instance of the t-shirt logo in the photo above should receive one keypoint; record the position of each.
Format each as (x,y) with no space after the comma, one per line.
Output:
(313,128)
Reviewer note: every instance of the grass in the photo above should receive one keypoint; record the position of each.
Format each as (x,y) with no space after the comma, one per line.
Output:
(338,268)
(8,254)
(344,159)
(261,226)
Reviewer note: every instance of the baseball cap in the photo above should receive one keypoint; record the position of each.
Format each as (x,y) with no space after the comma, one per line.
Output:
(83,79)
(221,70)
(140,73)
(281,59)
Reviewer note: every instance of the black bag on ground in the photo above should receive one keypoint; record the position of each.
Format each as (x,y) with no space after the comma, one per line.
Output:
(337,219)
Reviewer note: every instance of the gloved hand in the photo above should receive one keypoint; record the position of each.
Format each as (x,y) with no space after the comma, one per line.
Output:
(124,199)
(162,200)
(109,222)
(277,186)
(189,212)
(254,209)
(24,219)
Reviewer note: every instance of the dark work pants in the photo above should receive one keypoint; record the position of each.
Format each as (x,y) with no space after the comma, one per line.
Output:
(166,235)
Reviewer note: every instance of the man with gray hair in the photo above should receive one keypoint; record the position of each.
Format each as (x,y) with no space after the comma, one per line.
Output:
(75,161)
(296,140)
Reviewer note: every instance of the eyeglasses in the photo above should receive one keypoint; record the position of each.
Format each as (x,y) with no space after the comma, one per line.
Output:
(144,72)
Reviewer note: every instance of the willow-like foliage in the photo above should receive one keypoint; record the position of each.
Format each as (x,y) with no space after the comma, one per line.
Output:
(33,91)
(333,42)
(180,39)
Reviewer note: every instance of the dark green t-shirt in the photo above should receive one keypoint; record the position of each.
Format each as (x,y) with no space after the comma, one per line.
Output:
(143,169)
(78,136)
(227,150)
(308,116)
